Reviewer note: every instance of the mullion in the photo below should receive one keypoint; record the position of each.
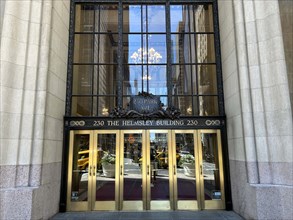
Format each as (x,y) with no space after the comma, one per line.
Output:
(141,28)
(147,48)
(196,59)
(190,52)
(93,59)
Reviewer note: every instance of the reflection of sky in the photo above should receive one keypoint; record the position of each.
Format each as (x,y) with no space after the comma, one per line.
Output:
(157,24)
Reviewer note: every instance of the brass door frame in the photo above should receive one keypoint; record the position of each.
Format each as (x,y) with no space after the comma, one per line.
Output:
(105,205)
(145,203)
(160,204)
(81,205)
(187,204)
(131,205)
(211,204)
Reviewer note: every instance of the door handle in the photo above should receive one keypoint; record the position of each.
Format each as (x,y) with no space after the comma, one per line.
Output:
(148,168)
(174,170)
(94,172)
(200,169)
(121,169)
(90,173)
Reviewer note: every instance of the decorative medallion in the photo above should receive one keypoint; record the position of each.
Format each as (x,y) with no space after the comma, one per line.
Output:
(145,106)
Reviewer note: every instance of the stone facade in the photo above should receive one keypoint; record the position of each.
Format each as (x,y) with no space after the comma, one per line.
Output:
(257,102)
(256,43)
(34,45)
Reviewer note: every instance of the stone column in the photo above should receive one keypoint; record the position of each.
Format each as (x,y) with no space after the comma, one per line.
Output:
(259,114)
(34,45)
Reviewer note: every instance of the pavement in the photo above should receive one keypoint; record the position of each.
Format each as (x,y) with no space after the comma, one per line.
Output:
(149,215)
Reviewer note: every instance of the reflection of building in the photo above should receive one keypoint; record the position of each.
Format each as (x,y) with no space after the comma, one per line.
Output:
(253,71)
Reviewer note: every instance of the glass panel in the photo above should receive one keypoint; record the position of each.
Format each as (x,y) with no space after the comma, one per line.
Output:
(208,105)
(84,18)
(106,78)
(82,80)
(157,52)
(108,20)
(157,78)
(205,48)
(81,106)
(132,82)
(211,172)
(156,18)
(105,182)
(183,48)
(79,186)
(133,52)
(83,48)
(107,52)
(159,166)
(207,80)
(106,104)
(131,18)
(132,171)
(204,18)
(184,103)
(182,81)
(181,18)
(185,158)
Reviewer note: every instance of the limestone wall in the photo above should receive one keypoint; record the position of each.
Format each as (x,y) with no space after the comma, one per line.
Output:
(258,109)
(34,45)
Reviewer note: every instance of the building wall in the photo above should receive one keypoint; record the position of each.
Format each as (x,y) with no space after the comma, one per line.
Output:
(34,45)
(259,114)
(286,12)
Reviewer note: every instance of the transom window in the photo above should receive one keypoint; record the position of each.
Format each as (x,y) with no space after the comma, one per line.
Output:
(167,50)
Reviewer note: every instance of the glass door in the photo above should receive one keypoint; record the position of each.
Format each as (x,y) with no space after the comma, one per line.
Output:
(211,169)
(186,180)
(159,170)
(105,170)
(93,169)
(132,170)
(79,177)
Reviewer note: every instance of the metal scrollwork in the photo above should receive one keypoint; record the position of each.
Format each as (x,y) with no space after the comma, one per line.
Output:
(213,122)
(77,123)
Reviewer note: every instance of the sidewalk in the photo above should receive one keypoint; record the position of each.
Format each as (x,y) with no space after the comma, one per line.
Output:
(149,215)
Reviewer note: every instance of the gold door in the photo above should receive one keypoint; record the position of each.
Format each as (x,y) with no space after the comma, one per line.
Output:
(132,170)
(93,167)
(211,169)
(145,170)
(186,175)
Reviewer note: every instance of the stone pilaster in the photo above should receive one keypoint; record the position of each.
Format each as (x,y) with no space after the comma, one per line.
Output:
(257,101)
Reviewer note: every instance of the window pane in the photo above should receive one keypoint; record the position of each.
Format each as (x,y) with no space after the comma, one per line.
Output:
(133,50)
(207,80)
(106,104)
(132,18)
(81,106)
(204,18)
(205,48)
(108,19)
(157,79)
(84,18)
(82,80)
(106,47)
(83,48)
(184,103)
(182,18)
(106,78)
(183,48)
(157,52)
(182,79)
(208,106)
(132,80)
(156,18)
